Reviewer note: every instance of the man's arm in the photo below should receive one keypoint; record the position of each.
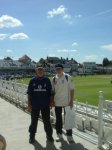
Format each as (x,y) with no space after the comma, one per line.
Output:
(72,91)
(52,104)
(71,98)
(29,103)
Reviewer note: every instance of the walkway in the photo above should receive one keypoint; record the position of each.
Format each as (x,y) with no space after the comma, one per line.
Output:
(14,125)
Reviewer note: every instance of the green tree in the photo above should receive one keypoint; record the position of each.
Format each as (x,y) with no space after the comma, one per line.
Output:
(7,58)
(105,62)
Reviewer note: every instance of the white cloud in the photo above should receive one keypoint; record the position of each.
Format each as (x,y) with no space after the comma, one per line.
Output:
(107,47)
(1,57)
(18,36)
(3,36)
(9,22)
(67,18)
(78,16)
(62,50)
(9,51)
(73,50)
(60,11)
(104,12)
(54,12)
(51,55)
(66,50)
(91,57)
(75,44)
(15,36)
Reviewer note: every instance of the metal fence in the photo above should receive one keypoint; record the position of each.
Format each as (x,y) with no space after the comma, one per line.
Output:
(92,123)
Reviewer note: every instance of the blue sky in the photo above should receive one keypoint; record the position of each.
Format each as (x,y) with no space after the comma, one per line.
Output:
(79,29)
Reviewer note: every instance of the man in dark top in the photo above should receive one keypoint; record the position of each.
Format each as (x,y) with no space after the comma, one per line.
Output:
(39,96)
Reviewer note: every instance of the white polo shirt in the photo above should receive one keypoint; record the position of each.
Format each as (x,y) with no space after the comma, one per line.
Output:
(62,88)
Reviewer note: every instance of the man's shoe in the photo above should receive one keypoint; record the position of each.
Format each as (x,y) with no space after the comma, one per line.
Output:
(31,141)
(59,137)
(50,139)
(32,138)
(70,139)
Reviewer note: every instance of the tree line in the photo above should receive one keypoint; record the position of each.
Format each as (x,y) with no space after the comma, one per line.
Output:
(107,62)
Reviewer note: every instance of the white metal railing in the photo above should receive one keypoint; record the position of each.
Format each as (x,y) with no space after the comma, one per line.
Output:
(14,92)
(95,123)
(104,132)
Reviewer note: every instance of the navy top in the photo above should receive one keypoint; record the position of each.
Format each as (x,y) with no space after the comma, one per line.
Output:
(40,91)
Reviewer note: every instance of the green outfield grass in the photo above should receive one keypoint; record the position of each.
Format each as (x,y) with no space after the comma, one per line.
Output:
(87,88)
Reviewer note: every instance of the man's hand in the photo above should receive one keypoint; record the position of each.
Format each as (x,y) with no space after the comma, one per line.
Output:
(71,104)
(52,104)
(29,103)
(29,108)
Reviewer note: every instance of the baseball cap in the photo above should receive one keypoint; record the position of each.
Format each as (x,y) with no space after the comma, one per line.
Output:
(59,66)
(39,66)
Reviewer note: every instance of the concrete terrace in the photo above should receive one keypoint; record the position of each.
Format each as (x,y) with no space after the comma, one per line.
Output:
(14,124)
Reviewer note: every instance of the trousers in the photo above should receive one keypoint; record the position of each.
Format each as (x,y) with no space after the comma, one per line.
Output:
(45,112)
(59,121)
